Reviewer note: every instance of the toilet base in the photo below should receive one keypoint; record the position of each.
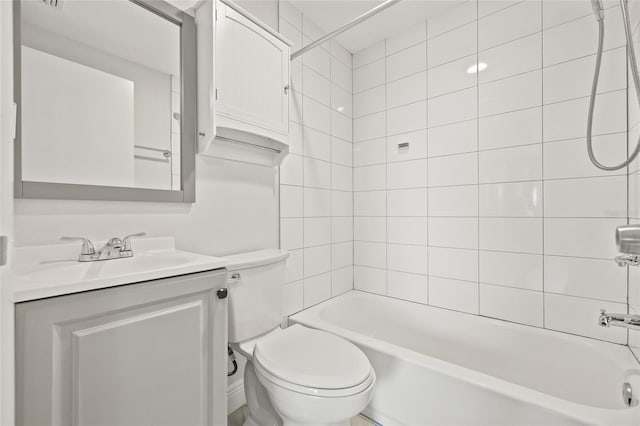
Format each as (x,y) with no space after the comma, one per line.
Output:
(261,412)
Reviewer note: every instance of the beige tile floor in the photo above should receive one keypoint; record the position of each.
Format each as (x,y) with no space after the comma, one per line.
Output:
(237,418)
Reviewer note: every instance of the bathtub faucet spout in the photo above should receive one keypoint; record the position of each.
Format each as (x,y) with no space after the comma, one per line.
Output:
(619,320)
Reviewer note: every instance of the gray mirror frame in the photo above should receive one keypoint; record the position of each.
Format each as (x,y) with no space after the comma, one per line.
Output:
(62,191)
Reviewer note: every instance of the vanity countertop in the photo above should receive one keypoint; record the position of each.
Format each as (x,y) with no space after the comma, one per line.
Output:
(54,270)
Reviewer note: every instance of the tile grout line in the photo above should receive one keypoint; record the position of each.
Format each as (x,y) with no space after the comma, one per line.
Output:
(477,87)
(303,162)
(331,118)
(353,193)
(628,274)
(386,179)
(428,266)
(544,325)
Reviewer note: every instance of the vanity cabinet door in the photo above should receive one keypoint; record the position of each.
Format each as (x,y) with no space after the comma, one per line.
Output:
(151,353)
(252,73)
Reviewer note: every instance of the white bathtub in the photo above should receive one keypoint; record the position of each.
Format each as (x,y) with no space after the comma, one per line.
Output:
(437,367)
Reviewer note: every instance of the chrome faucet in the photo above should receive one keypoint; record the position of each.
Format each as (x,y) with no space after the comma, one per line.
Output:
(619,320)
(115,248)
(628,243)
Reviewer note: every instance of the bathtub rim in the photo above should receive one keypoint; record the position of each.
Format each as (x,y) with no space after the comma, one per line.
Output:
(580,412)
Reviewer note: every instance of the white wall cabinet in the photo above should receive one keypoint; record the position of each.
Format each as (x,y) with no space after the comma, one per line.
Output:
(252,74)
(243,82)
(151,353)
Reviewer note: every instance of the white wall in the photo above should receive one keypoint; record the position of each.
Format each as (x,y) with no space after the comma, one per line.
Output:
(222,221)
(6,211)
(494,209)
(316,182)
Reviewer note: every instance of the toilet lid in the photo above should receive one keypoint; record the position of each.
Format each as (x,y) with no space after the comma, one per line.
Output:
(312,358)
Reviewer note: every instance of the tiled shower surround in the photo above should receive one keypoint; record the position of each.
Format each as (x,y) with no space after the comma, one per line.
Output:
(316,190)
(493,208)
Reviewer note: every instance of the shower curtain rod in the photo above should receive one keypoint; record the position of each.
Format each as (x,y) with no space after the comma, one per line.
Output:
(379,8)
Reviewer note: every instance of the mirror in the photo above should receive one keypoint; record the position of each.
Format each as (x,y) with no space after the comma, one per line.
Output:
(106,93)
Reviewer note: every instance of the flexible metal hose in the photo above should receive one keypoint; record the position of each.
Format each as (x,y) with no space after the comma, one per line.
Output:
(596,75)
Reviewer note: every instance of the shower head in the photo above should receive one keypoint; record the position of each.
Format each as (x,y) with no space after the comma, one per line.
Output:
(598,9)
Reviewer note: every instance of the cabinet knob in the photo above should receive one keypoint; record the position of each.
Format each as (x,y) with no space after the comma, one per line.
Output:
(286,89)
(222,293)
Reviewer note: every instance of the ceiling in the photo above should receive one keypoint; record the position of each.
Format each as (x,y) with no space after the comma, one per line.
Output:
(331,14)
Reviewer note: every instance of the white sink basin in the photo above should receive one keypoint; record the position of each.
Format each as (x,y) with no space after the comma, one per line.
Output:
(70,270)
(51,277)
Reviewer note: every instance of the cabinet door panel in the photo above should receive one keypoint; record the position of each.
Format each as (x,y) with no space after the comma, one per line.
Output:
(143,354)
(139,380)
(252,72)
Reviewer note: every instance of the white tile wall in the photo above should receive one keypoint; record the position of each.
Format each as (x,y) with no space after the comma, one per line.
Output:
(402,285)
(455,138)
(406,62)
(316,179)
(510,129)
(512,304)
(634,184)
(453,294)
(494,209)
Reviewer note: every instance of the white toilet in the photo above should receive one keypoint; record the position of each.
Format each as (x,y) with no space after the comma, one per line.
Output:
(297,375)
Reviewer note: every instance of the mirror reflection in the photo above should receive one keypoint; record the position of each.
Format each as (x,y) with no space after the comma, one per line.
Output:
(100,106)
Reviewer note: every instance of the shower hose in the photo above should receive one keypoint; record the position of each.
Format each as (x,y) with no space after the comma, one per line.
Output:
(598,10)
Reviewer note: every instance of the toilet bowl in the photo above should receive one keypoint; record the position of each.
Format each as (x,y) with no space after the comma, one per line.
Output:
(306,376)
(295,376)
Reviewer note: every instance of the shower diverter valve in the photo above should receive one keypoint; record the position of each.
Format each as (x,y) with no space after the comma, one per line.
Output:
(628,243)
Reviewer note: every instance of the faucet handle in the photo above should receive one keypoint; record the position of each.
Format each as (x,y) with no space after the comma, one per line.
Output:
(126,243)
(603,319)
(87,245)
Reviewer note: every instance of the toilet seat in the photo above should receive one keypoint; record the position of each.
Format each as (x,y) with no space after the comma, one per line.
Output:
(312,362)
(319,392)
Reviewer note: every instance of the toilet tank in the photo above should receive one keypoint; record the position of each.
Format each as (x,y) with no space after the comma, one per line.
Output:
(256,286)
